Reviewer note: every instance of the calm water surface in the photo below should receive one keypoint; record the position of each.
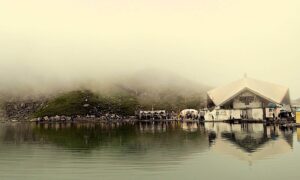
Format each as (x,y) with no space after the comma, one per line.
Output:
(148,151)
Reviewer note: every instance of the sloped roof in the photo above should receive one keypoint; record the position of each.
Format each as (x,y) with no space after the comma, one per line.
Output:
(269,91)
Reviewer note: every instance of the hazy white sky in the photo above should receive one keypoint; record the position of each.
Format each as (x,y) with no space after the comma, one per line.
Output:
(211,41)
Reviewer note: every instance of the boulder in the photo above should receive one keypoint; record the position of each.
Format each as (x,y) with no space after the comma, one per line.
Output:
(86,105)
(46,118)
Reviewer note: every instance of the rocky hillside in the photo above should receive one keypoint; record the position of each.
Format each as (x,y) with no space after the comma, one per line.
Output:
(22,109)
(143,90)
(85,102)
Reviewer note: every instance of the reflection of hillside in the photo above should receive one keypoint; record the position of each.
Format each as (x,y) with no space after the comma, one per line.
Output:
(145,141)
(18,133)
(124,138)
(154,142)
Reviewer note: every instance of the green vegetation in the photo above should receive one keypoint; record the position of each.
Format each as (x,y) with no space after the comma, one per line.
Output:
(144,90)
(87,102)
(121,102)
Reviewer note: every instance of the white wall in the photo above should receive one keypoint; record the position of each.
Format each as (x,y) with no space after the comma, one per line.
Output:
(223,115)
(257,114)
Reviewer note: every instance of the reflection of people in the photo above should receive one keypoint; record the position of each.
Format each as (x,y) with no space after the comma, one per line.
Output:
(211,137)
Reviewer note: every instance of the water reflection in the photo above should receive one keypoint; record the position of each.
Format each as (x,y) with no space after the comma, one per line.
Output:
(160,150)
(160,143)
(245,141)
(252,142)
(298,134)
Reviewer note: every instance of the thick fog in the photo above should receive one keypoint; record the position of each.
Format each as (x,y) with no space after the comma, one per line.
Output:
(47,46)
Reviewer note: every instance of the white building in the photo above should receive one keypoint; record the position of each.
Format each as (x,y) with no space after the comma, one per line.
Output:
(246,98)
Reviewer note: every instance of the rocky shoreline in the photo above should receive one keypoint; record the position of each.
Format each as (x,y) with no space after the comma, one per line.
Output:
(20,110)
(88,118)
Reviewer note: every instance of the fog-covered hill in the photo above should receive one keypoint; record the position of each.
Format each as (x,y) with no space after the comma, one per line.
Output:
(165,90)
(146,89)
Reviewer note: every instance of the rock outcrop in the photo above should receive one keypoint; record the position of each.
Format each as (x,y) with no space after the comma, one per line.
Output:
(21,110)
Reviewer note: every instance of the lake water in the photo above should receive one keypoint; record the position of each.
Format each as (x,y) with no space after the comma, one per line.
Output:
(148,151)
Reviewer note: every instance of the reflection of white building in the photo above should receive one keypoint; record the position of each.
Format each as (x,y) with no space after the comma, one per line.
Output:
(189,127)
(250,143)
(246,99)
(268,149)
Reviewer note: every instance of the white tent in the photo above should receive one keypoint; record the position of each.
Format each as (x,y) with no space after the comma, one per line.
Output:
(185,112)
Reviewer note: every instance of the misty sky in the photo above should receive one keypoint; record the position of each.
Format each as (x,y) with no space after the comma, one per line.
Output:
(211,41)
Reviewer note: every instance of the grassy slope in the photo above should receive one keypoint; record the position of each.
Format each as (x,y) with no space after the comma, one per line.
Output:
(72,103)
(144,90)
(121,102)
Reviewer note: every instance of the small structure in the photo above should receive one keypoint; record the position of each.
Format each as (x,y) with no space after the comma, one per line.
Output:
(152,115)
(189,114)
(248,99)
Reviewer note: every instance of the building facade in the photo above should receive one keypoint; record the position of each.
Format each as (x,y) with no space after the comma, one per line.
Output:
(252,98)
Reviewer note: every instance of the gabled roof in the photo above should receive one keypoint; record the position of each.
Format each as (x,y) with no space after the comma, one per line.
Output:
(271,92)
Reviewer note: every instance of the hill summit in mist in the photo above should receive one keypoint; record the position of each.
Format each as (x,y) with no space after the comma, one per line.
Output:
(142,90)
(164,90)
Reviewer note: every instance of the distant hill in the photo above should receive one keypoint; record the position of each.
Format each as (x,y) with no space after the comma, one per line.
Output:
(164,90)
(142,90)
